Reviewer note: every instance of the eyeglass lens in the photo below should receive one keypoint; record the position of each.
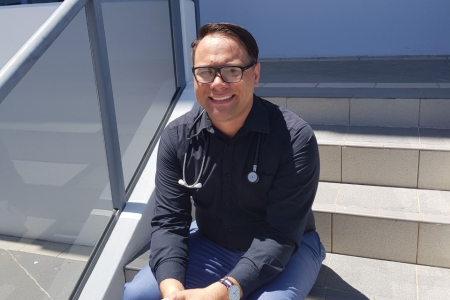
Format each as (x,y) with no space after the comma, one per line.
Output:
(228,74)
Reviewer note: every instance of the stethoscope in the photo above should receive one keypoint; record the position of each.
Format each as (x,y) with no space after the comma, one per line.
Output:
(252,177)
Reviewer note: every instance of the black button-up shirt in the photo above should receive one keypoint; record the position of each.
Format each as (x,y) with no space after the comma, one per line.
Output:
(266,218)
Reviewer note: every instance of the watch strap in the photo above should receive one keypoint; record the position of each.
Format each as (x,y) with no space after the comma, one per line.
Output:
(234,292)
(226,282)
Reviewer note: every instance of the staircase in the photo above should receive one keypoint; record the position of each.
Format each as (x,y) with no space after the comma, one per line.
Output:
(383,205)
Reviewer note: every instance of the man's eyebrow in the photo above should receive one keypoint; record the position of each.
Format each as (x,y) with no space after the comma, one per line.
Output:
(224,65)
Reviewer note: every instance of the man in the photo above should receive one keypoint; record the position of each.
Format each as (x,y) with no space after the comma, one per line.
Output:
(252,170)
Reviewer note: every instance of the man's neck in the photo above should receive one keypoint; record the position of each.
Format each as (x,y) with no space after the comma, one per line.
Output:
(229,128)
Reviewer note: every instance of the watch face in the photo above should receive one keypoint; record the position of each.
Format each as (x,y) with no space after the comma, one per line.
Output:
(234,293)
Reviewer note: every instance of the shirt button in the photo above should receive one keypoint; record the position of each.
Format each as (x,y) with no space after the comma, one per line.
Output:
(228,174)
(227,203)
(229,230)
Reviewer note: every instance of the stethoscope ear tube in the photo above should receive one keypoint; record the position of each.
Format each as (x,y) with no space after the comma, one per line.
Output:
(252,177)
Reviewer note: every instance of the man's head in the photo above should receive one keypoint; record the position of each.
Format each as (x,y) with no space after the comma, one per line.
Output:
(228,30)
(225,93)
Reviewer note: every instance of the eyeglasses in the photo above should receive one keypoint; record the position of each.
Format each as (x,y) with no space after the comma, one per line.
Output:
(229,74)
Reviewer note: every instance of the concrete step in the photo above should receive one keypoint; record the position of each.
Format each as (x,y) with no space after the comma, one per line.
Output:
(344,277)
(385,156)
(396,224)
(353,278)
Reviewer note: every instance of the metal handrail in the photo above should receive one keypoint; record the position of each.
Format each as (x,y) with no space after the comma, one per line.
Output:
(19,65)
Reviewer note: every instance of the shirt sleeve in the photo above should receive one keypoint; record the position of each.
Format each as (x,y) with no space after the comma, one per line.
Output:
(172,214)
(289,204)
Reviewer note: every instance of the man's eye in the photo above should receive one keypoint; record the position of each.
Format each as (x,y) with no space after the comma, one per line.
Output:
(205,72)
(232,71)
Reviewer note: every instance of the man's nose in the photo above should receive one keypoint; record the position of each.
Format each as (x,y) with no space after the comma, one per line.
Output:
(218,79)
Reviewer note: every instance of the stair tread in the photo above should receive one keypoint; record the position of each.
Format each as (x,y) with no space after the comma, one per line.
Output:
(386,137)
(418,78)
(350,277)
(419,205)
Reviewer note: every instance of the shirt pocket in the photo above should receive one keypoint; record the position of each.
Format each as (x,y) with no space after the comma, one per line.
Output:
(255,195)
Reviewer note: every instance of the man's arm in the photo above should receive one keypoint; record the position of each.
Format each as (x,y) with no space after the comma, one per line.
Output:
(172,218)
(289,202)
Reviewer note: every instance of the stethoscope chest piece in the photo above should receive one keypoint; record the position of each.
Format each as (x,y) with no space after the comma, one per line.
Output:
(252,177)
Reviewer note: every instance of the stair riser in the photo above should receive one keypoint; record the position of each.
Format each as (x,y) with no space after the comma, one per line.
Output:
(411,168)
(427,113)
(401,241)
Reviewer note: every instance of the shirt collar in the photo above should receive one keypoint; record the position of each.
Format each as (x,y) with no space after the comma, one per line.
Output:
(257,120)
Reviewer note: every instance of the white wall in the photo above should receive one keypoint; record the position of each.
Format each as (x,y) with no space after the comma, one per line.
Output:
(56,186)
(328,28)
(14,32)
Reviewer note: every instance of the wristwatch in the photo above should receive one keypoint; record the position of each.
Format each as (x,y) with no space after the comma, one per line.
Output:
(233,291)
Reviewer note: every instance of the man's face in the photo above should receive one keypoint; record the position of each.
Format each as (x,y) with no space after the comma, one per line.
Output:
(225,102)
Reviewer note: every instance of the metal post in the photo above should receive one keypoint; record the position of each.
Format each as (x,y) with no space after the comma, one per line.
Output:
(94,18)
(197,14)
(19,65)
(177,41)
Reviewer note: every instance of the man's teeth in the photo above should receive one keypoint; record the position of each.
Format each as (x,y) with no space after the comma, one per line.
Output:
(221,99)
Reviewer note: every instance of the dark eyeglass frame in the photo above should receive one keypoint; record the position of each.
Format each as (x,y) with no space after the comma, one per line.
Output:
(219,70)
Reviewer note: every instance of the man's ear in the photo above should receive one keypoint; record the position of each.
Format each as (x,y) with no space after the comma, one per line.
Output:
(257,73)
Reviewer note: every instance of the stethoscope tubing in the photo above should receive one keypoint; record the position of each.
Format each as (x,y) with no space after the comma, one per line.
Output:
(252,176)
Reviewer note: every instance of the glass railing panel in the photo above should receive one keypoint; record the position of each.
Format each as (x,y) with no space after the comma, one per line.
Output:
(54,189)
(138,36)
(17,25)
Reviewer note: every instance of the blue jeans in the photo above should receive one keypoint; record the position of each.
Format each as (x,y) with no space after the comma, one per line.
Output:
(209,262)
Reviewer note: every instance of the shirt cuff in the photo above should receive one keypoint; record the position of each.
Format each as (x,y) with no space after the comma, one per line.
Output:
(247,276)
(170,269)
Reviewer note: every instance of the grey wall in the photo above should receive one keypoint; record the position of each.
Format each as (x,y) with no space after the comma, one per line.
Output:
(328,28)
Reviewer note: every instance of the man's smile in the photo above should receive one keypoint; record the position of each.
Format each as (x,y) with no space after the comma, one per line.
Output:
(224,98)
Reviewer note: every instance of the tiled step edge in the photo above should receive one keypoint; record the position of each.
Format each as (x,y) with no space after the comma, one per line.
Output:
(370,111)
(385,165)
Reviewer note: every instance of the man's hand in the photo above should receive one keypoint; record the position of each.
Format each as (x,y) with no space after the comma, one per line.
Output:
(215,291)
(169,287)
